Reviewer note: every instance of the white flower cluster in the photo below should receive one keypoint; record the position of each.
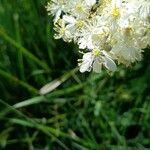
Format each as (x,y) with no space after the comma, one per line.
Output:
(108,31)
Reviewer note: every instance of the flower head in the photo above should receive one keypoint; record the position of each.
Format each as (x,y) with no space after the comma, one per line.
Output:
(107,30)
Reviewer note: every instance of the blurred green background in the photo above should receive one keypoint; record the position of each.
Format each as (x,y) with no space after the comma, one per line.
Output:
(86,112)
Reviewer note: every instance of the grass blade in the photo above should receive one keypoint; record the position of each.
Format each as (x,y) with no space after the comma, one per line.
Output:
(16,80)
(24,50)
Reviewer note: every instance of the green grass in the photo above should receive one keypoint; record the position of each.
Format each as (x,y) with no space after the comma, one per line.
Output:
(83,111)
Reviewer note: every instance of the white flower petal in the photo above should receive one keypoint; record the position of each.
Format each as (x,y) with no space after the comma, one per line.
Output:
(86,62)
(87,56)
(57,16)
(69,19)
(109,64)
(90,2)
(97,66)
(85,66)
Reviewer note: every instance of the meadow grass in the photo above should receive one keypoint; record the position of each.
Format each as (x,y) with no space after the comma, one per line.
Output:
(85,112)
